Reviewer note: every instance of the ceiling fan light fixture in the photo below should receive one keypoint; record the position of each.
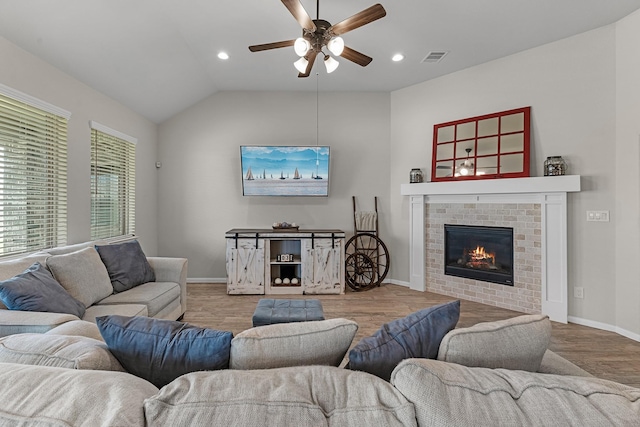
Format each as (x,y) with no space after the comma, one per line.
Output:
(301,46)
(466,167)
(301,65)
(336,46)
(330,63)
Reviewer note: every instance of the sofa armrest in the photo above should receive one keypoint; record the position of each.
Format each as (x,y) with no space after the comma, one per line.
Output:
(18,322)
(172,270)
(553,363)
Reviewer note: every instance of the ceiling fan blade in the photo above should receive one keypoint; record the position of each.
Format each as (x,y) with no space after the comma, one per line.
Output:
(301,15)
(355,56)
(311,57)
(267,46)
(367,16)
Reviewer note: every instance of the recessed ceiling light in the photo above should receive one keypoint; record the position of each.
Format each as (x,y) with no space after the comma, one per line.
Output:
(223,55)
(397,57)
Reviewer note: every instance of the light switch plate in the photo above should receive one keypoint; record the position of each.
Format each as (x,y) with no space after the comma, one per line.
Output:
(598,216)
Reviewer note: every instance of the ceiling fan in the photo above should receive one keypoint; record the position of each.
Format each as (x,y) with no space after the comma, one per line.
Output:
(318,33)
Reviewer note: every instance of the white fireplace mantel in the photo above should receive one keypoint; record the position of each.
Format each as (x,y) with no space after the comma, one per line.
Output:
(549,192)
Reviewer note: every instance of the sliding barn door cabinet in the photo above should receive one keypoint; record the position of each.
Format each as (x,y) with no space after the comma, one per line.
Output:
(265,261)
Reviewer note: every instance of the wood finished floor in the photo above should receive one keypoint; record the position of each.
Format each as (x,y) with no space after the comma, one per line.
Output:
(604,354)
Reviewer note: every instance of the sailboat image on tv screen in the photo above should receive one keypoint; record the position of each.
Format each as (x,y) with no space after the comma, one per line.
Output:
(317,176)
(285,170)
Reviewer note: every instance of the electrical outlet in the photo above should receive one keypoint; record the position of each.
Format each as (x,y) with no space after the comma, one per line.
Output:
(578,292)
(598,216)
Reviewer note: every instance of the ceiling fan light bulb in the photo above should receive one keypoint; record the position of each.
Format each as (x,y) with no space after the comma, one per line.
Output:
(464,171)
(301,65)
(336,46)
(330,63)
(301,46)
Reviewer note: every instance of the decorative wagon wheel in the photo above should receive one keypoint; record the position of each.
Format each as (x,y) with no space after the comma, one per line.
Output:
(374,249)
(360,272)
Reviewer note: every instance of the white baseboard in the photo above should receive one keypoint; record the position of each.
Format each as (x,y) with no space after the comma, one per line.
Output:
(400,283)
(604,327)
(224,280)
(206,280)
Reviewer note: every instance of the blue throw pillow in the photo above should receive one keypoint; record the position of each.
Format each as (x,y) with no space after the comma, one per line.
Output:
(126,264)
(416,336)
(162,350)
(35,289)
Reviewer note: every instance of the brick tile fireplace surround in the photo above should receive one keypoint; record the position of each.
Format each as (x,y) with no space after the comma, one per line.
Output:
(536,209)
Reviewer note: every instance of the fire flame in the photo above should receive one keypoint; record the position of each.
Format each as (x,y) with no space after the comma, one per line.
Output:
(479,254)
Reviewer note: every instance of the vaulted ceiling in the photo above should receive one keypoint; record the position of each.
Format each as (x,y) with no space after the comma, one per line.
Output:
(158,57)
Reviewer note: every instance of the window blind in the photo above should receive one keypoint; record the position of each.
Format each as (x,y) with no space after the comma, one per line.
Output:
(33,177)
(113,161)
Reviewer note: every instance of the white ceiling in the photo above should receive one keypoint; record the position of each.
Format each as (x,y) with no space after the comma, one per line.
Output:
(158,57)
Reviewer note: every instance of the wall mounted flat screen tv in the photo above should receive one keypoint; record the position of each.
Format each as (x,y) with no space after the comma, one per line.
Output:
(285,170)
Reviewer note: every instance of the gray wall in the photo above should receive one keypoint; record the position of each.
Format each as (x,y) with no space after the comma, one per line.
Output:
(28,74)
(627,140)
(574,101)
(200,178)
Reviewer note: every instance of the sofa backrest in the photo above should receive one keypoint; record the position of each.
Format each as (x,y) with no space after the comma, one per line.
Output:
(71,397)
(296,396)
(440,392)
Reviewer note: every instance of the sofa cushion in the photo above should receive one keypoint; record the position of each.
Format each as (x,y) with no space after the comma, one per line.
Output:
(162,350)
(46,396)
(416,335)
(298,396)
(82,274)
(446,394)
(78,328)
(516,343)
(323,342)
(70,352)
(19,322)
(128,310)
(553,363)
(127,265)
(155,295)
(35,289)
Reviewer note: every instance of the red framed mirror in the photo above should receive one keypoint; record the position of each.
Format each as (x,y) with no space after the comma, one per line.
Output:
(490,146)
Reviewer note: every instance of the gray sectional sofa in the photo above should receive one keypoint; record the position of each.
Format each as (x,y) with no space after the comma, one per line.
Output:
(277,380)
(79,269)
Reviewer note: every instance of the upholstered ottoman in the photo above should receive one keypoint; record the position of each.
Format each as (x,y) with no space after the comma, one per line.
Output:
(270,311)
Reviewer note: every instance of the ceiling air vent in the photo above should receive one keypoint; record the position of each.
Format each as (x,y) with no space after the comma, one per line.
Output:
(435,56)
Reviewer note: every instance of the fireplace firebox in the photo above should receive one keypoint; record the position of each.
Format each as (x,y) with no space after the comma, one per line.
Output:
(479,252)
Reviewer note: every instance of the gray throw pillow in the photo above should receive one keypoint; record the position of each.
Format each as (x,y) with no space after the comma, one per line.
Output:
(127,265)
(518,343)
(161,350)
(323,342)
(82,274)
(416,335)
(71,352)
(36,290)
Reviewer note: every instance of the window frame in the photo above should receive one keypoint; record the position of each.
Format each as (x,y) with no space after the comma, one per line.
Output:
(33,174)
(115,192)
